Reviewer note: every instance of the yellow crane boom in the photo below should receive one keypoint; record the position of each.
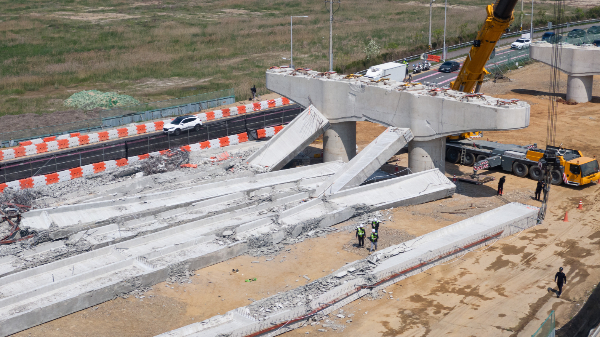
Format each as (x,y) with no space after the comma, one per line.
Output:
(499,17)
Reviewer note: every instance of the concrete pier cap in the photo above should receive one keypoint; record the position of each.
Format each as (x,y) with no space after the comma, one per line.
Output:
(581,63)
(431,113)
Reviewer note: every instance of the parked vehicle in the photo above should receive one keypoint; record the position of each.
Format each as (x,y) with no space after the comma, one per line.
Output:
(548,36)
(391,70)
(575,169)
(449,66)
(182,123)
(594,30)
(576,33)
(521,43)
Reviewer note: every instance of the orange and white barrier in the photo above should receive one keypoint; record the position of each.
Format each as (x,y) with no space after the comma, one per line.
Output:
(87,170)
(48,144)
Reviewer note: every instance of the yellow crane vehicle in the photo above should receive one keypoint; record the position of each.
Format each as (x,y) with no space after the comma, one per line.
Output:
(567,166)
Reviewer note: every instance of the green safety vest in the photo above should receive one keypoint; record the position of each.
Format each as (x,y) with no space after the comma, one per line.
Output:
(374,236)
(361,232)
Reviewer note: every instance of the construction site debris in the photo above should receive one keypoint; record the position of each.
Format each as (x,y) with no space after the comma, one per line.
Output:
(169,161)
(90,99)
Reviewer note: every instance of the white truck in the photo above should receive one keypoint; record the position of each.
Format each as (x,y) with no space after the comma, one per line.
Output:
(392,70)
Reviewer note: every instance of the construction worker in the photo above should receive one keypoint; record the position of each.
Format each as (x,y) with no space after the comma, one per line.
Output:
(374,237)
(560,278)
(253,90)
(501,185)
(375,225)
(538,190)
(360,234)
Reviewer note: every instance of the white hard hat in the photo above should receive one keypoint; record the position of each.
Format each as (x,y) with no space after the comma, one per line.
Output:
(373,230)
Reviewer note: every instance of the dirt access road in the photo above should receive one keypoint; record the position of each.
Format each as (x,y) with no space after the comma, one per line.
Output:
(500,290)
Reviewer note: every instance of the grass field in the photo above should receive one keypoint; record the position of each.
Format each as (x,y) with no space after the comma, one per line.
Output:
(156,50)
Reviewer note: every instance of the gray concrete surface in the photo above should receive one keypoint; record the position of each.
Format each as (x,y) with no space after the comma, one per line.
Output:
(291,140)
(339,142)
(579,62)
(369,160)
(427,155)
(286,311)
(431,113)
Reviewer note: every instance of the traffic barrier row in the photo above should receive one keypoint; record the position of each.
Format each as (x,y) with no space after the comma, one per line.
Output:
(87,170)
(48,144)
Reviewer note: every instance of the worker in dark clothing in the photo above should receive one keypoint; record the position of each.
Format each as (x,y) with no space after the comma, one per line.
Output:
(560,278)
(360,234)
(501,185)
(538,190)
(253,90)
(374,237)
(375,225)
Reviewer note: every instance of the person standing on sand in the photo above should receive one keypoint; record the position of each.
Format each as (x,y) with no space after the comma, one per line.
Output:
(374,237)
(501,185)
(538,190)
(360,234)
(560,278)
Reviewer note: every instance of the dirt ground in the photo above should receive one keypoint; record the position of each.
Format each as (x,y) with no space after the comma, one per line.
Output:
(498,290)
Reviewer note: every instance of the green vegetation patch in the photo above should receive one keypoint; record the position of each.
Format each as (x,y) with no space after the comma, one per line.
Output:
(90,99)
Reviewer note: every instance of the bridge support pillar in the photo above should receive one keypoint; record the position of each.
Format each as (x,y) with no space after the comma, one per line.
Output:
(339,142)
(426,155)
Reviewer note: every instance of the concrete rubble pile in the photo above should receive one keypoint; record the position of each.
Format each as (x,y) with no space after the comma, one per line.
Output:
(286,311)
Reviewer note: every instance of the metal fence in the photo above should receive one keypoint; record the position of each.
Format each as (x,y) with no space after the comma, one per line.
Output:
(125,115)
(548,328)
(141,145)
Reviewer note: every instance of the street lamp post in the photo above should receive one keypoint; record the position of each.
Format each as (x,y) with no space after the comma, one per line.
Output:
(531,31)
(292,38)
(430,7)
(445,11)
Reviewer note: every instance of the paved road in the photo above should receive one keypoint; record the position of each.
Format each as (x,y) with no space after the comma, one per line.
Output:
(503,55)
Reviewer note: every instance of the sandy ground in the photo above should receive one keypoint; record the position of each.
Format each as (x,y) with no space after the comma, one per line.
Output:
(499,290)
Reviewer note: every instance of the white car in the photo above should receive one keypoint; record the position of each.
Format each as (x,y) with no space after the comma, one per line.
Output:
(521,43)
(182,123)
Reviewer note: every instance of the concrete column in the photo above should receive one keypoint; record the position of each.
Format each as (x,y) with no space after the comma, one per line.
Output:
(427,155)
(339,142)
(579,88)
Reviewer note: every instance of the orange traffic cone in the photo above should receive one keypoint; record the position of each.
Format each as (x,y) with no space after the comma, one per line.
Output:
(580,204)
(566,217)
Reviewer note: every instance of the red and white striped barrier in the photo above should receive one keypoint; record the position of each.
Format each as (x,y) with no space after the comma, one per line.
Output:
(87,170)
(49,144)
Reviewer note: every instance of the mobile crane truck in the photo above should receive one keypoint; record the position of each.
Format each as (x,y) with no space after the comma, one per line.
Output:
(571,166)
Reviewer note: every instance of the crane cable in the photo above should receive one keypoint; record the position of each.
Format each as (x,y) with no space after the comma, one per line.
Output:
(554,90)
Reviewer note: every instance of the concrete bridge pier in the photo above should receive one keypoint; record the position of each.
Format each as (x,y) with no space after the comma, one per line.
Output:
(579,88)
(426,155)
(339,142)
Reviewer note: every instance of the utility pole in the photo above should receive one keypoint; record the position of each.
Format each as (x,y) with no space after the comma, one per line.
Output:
(430,7)
(531,31)
(331,34)
(521,15)
(445,11)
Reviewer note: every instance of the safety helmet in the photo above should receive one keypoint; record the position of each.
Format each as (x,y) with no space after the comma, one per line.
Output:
(560,269)
(373,230)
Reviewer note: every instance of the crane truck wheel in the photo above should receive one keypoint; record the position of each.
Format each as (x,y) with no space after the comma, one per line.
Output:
(469,159)
(535,173)
(556,177)
(520,169)
(480,158)
(452,155)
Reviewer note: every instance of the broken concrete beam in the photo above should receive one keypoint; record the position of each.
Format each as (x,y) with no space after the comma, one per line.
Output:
(291,140)
(369,160)
(407,190)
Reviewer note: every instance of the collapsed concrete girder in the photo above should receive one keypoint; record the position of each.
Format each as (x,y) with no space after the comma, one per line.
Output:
(125,262)
(369,160)
(291,140)
(276,314)
(431,113)
(580,63)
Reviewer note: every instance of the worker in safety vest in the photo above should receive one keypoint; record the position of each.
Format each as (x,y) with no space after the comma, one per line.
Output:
(501,185)
(360,234)
(375,225)
(374,237)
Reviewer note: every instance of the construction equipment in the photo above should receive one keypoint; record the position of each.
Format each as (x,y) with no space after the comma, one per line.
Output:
(567,166)
(11,213)
(470,76)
